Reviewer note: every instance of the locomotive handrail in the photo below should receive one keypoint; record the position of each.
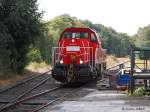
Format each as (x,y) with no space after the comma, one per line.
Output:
(74,45)
(56,54)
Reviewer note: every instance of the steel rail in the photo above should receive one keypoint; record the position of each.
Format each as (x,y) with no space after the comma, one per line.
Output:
(40,94)
(33,96)
(37,95)
(23,82)
(50,102)
(22,95)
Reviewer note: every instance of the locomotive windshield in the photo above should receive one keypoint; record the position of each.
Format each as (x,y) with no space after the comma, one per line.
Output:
(82,35)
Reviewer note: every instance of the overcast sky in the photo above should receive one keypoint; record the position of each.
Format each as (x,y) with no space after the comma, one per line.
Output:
(122,15)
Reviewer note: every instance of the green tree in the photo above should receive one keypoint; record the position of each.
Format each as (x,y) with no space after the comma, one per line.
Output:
(142,38)
(21,21)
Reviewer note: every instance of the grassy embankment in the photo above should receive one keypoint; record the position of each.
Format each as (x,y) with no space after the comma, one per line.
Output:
(32,69)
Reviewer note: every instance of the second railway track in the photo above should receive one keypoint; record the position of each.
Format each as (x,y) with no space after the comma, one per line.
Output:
(38,101)
(32,95)
(28,87)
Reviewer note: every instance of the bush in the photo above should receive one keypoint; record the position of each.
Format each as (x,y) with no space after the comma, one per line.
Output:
(139,92)
(34,55)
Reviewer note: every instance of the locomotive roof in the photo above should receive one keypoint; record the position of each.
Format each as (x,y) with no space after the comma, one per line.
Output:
(73,29)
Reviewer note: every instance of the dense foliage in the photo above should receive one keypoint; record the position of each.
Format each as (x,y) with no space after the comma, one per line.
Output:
(19,27)
(142,38)
(116,43)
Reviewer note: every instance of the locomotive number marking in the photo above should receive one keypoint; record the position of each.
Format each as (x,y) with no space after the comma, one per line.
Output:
(73,48)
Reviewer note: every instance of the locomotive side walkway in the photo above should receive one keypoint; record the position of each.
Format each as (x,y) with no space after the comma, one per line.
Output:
(102,101)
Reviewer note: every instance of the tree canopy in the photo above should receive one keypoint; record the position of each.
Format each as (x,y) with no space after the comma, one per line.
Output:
(142,38)
(116,43)
(19,27)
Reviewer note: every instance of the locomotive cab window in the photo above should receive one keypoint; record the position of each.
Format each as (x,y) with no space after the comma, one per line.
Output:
(67,35)
(84,35)
(93,38)
(81,35)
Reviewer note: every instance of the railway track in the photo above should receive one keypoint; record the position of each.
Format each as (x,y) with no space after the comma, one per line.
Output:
(36,102)
(28,87)
(22,82)
(32,94)
(25,86)
(20,105)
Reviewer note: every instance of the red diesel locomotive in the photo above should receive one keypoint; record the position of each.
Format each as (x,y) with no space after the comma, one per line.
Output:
(79,56)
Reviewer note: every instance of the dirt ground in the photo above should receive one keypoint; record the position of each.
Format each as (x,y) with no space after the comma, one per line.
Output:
(112,60)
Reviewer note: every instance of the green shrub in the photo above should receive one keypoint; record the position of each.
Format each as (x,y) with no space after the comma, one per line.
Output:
(139,92)
(34,55)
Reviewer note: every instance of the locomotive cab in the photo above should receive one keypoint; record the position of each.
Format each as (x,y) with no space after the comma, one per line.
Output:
(78,57)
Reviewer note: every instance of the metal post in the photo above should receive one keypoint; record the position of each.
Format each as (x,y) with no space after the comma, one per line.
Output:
(121,66)
(132,59)
(145,84)
(146,65)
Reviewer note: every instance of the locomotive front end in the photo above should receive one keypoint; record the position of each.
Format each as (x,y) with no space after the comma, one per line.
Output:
(72,57)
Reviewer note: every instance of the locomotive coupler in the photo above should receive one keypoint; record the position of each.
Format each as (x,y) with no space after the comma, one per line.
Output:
(71,70)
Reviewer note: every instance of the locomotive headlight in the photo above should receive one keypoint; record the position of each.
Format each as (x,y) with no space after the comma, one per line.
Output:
(81,62)
(61,61)
(72,40)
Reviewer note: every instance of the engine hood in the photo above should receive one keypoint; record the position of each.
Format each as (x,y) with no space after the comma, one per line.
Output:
(74,42)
